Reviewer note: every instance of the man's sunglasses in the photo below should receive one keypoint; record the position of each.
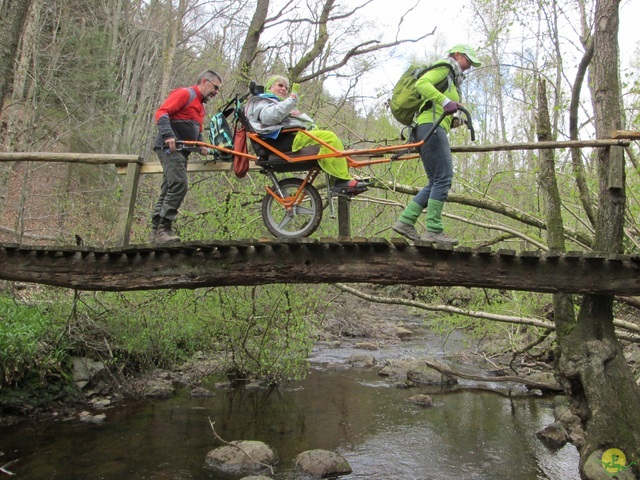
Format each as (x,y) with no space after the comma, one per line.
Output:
(215,87)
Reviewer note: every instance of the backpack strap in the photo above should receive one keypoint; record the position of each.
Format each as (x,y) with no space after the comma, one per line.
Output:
(192,96)
(442,86)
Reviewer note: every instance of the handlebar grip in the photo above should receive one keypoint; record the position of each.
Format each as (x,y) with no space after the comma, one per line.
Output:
(469,123)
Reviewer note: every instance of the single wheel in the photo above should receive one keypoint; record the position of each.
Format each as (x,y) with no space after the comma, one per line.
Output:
(294,219)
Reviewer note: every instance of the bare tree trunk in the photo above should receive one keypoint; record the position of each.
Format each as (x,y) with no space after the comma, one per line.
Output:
(19,117)
(250,45)
(174,28)
(13,15)
(576,154)
(592,366)
(320,42)
(563,313)
(141,59)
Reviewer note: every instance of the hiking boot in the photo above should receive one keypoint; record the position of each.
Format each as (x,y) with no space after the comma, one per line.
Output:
(165,234)
(405,229)
(439,237)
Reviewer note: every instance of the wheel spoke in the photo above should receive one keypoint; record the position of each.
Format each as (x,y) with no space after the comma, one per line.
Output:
(285,220)
(300,210)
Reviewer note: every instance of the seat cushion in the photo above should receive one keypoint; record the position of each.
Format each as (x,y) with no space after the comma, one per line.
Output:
(278,164)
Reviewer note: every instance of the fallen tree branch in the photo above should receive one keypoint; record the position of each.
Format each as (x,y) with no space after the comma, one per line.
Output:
(446,308)
(506,378)
(482,315)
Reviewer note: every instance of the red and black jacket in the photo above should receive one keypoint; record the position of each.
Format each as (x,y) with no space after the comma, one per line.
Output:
(180,116)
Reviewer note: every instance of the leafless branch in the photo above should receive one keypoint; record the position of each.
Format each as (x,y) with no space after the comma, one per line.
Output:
(231,444)
(361,50)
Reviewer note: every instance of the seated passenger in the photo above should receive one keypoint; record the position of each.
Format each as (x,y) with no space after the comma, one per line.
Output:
(275,109)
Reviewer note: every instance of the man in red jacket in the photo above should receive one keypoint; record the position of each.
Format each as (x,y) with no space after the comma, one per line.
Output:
(180,117)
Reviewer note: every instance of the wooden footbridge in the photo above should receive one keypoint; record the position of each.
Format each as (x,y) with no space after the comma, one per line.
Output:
(309,261)
(127,267)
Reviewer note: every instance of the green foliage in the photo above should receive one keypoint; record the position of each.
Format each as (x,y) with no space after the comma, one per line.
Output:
(267,330)
(264,332)
(220,206)
(31,344)
(143,329)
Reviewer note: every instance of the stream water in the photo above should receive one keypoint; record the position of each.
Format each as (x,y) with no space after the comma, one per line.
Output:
(468,434)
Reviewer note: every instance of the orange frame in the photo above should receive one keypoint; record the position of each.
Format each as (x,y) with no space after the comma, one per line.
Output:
(289,202)
(351,163)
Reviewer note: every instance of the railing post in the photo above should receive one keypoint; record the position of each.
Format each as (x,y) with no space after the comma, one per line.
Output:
(128,203)
(344,216)
(615,178)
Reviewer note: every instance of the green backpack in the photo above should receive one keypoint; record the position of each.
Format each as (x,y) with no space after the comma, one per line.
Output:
(405,100)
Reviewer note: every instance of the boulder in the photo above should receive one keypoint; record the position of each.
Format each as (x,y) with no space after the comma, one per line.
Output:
(403,333)
(321,464)
(101,402)
(564,414)
(200,392)
(88,417)
(425,375)
(86,370)
(416,371)
(243,457)
(422,400)
(554,436)
(366,346)
(362,360)
(158,388)
(576,436)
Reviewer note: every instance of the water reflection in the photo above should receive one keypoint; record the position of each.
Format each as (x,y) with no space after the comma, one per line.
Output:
(468,435)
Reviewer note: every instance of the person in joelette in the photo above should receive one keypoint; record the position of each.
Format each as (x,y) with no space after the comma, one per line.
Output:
(276,109)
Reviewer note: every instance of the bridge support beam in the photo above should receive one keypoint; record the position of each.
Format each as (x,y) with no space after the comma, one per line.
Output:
(309,261)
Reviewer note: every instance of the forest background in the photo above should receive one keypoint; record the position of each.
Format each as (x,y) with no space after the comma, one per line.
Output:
(88,76)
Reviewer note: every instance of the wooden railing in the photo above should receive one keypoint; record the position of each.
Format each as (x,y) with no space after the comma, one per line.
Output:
(132,166)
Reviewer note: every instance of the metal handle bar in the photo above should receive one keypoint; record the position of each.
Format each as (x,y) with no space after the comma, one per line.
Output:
(467,122)
(435,125)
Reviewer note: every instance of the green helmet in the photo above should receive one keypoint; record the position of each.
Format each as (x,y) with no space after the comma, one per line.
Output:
(468,51)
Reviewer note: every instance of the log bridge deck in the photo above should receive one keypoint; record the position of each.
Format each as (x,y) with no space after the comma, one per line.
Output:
(311,261)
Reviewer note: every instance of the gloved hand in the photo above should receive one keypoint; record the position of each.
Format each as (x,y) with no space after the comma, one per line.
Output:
(451,107)
(295,90)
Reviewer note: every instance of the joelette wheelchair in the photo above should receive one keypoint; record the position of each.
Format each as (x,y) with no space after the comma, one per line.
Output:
(292,206)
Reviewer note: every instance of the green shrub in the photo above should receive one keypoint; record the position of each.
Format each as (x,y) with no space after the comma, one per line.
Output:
(29,342)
